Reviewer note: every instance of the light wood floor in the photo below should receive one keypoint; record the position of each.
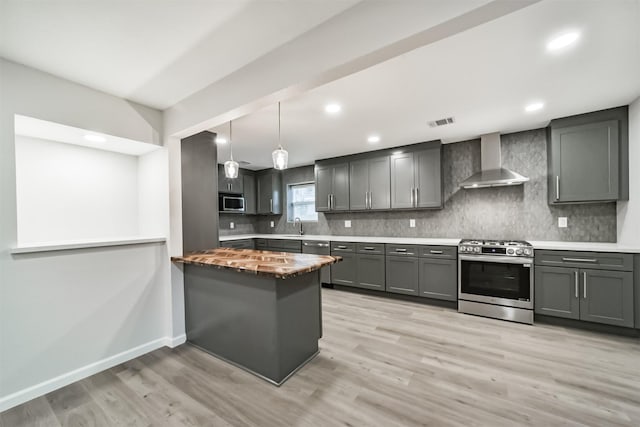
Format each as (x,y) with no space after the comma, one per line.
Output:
(382,363)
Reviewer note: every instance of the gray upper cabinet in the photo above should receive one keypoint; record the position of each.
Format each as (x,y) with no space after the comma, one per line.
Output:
(557,292)
(332,187)
(269,186)
(416,179)
(370,184)
(588,157)
(249,192)
(607,297)
(228,185)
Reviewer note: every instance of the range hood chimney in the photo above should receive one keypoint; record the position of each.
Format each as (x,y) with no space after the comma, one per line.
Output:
(492,173)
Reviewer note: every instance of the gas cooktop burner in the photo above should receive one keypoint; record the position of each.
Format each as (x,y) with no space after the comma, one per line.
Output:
(496,247)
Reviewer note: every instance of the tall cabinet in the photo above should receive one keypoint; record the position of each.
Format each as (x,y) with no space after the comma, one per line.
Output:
(269,184)
(416,179)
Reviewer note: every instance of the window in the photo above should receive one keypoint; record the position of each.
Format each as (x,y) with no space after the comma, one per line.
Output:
(301,200)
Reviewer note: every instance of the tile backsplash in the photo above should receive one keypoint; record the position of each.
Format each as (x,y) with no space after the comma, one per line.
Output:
(519,212)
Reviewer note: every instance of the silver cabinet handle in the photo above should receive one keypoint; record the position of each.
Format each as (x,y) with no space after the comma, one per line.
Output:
(584,277)
(557,187)
(333,201)
(412,202)
(370,193)
(436,252)
(417,198)
(328,201)
(592,260)
(369,248)
(341,247)
(576,282)
(400,250)
(271,205)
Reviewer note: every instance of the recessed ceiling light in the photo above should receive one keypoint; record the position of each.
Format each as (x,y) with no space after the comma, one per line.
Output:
(563,41)
(332,108)
(536,106)
(221,140)
(95,138)
(373,139)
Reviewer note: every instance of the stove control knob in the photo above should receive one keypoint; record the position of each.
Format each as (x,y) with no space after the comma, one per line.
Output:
(527,252)
(510,251)
(518,251)
(463,248)
(476,249)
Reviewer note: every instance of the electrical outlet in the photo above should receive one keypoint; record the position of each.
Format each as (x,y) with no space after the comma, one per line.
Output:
(232,225)
(273,224)
(412,223)
(562,221)
(347,223)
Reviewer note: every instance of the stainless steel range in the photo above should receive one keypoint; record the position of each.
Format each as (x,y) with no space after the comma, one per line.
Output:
(495,279)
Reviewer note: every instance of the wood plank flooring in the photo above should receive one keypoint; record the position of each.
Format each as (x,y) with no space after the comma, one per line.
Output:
(383,362)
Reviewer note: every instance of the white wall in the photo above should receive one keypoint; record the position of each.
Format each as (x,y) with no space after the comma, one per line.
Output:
(65,315)
(629,212)
(68,192)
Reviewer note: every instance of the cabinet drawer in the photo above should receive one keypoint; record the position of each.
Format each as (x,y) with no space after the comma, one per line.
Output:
(261,244)
(343,247)
(285,245)
(592,260)
(370,248)
(402,250)
(447,252)
(238,244)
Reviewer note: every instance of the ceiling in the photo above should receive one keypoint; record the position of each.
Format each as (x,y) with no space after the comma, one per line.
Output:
(484,77)
(154,52)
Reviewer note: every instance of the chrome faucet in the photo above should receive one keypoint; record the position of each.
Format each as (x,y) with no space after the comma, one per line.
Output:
(299,221)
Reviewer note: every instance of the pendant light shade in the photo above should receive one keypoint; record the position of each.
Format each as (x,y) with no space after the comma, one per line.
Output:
(231,167)
(280,156)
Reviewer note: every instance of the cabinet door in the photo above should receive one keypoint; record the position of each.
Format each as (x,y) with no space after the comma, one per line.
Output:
(438,278)
(249,191)
(265,196)
(607,297)
(370,271)
(380,183)
(402,275)
(557,292)
(344,272)
(402,180)
(358,185)
(340,187)
(324,184)
(585,162)
(223,182)
(428,178)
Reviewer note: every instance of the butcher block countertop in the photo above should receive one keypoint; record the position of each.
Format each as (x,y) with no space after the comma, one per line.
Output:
(280,265)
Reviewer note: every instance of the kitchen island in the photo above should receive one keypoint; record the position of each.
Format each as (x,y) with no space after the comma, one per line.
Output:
(258,310)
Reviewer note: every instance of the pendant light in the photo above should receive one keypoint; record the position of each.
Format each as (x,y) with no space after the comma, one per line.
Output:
(230,166)
(280,155)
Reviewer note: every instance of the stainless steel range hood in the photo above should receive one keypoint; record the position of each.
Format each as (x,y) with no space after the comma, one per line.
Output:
(492,173)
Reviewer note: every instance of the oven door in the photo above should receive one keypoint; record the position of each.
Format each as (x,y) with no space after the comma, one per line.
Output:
(497,280)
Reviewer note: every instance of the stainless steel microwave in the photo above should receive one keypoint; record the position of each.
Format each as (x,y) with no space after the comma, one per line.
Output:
(231,203)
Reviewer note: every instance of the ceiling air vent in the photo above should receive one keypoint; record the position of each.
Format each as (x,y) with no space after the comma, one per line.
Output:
(441,122)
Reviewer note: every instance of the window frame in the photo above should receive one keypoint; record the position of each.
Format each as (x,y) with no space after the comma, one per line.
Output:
(290,203)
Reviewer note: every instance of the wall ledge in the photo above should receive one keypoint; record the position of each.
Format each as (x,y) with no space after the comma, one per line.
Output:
(83,244)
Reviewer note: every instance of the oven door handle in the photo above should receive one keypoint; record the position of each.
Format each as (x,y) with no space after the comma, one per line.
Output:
(497,259)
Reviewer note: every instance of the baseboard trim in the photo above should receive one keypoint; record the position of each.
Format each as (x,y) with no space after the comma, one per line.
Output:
(173,342)
(22,396)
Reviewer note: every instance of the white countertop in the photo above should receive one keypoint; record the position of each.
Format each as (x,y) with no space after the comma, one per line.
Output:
(551,245)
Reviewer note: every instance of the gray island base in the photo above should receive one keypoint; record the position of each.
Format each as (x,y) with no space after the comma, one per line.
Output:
(265,325)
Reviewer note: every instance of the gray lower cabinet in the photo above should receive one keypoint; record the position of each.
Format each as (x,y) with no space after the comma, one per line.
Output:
(371,271)
(557,292)
(593,295)
(438,279)
(607,297)
(344,272)
(402,275)
(238,244)
(269,189)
